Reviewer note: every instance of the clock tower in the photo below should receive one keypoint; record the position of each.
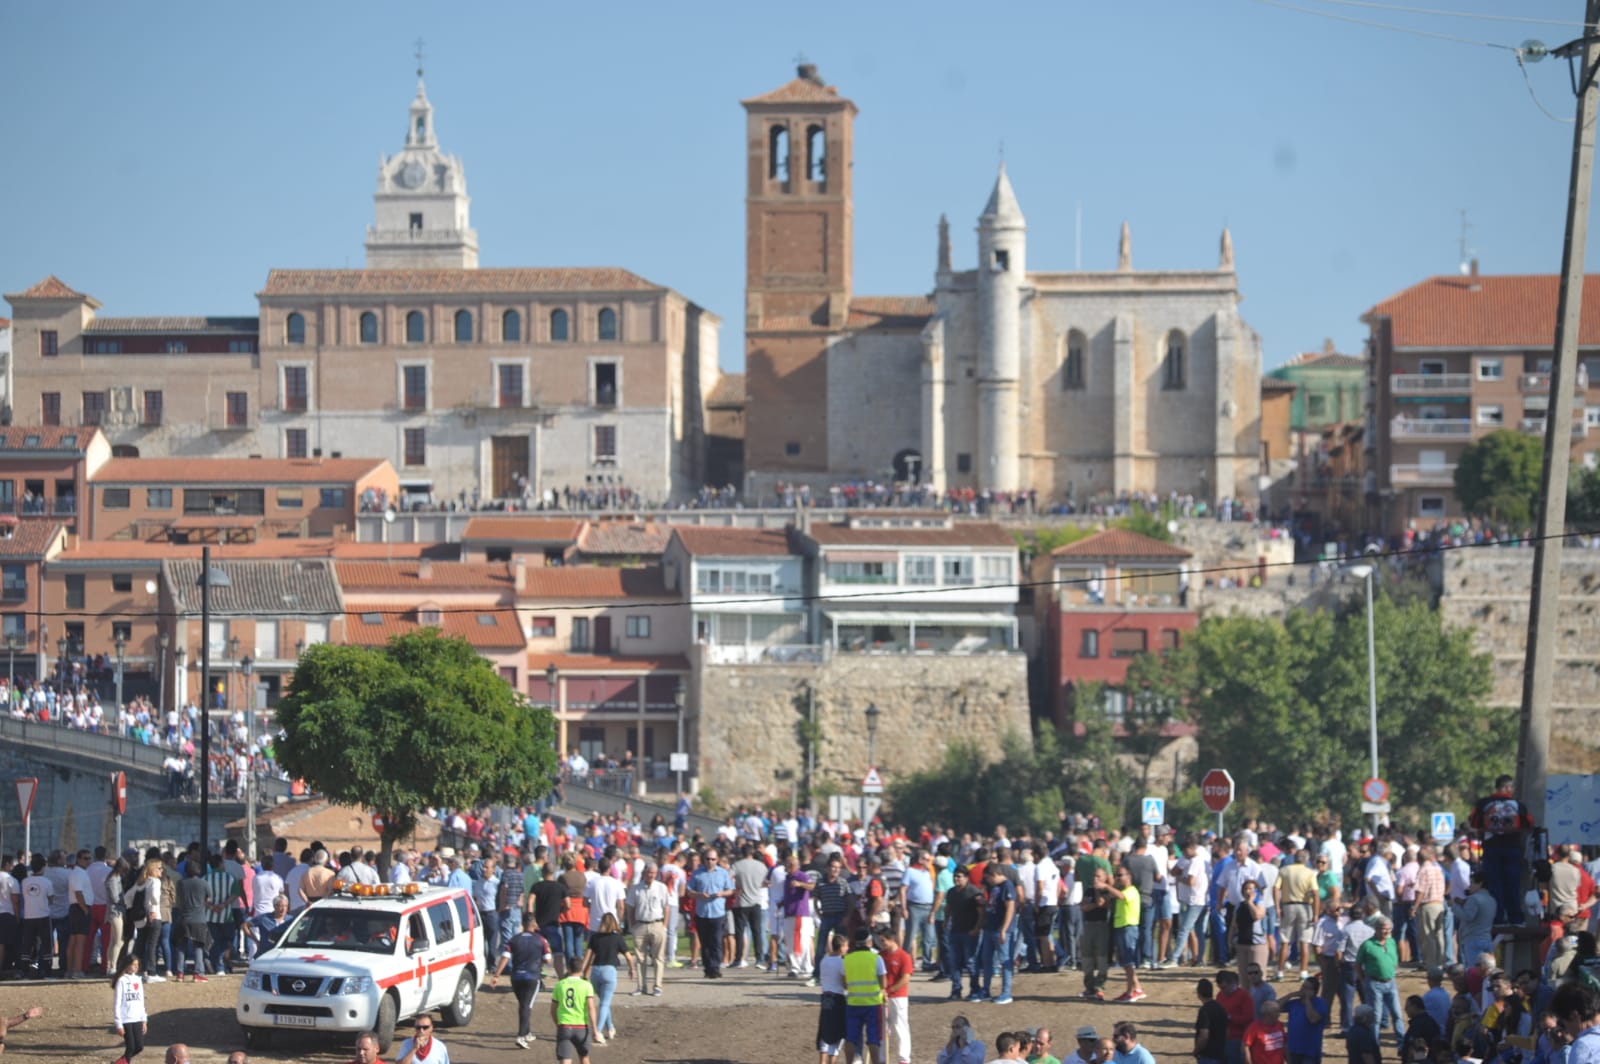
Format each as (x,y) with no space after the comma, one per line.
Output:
(423,213)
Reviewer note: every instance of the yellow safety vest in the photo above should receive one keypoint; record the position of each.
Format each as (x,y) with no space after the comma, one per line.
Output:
(861,978)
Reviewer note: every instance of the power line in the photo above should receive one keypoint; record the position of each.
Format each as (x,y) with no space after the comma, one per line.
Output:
(1523,67)
(1385,25)
(1373,4)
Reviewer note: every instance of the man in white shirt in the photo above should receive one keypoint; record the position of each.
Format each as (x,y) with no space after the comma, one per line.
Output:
(1191,877)
(10,898)
(36,895)
(604,895)
(1380,880)
(99,870)
(1046,903)
(294,882)
(648,904)
(80,914)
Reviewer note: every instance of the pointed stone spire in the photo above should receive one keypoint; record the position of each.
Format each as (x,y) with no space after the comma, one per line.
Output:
(420,133)
(1002,205)
(944,244)
(1125,249)
(1225,257)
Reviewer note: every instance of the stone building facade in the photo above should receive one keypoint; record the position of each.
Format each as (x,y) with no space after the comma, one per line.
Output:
(1066,383)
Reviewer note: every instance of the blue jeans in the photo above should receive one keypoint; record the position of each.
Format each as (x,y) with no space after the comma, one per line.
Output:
(1219,938)
(169,958)
(1126,941)
(1188,917)
(963,949)
(826,925)
(1147,923)
(604,978)
(1069,932)
(1348,980)
(994,951)
(1387,1005)
(919,931)
(575,941)
(1449,933)
(1502,873)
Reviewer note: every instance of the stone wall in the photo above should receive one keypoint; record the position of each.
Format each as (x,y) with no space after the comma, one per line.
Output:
(752,717)
(1488,590)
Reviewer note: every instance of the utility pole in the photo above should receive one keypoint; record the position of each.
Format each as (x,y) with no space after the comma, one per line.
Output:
(1538,670)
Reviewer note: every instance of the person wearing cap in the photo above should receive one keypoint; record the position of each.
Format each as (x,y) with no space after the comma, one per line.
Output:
(1088,1049)
(865,979)
(1039,1046)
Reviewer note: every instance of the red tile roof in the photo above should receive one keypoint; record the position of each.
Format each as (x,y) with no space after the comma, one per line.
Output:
(487,628)
(1487,311)
(5,323)
(728,392)
(1118,543)
(27,539)
(594,583)
(959,534)
(1327,360)
(890,312)
(403,576)
(319,547)
(50,437)
(1277,384)
(733,542)
(524,529)
(454,282)
(624,539)
(237,470)
(51,287)
(174,324)
(538,662)
(800,90)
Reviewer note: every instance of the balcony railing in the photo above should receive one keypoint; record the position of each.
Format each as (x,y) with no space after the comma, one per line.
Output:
(1432,475)
(1430,383)
(887,578)
(1452,428)
(1538,383)
(1534,426)
(756,654)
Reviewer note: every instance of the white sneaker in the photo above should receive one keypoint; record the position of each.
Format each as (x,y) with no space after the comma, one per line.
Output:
(599,1039)
(1303,975)
(155,978)
(522,1042)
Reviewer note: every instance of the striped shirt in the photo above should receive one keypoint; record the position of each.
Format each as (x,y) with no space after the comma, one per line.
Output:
(829,898)
(225,893)
(1430,883)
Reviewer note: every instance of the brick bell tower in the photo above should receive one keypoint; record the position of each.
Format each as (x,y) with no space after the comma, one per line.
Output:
(798,246)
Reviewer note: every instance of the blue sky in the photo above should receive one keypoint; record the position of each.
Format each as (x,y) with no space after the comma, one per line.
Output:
(163,157)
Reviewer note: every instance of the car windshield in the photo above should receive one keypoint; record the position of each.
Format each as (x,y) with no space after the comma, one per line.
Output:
(346,929)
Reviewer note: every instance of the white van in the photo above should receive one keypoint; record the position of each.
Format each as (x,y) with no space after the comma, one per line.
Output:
(364,958)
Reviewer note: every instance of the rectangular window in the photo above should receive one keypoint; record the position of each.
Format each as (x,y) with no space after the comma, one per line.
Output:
(153,406)
(1169,639)
(50,408)
(294,443)
(1316,405)
(416,387)
(13,581)
(791,448)
(122,582)
(638,626)
(1089,645)
(709,581)
(49,343)
(15,628)
(958,569)
(291,498)
(605,384)
(1128,642)
(238,410)
(1491,414)
(331,497)
(94,407)
(158,498)
(510,387)
(580,633)
(1430,506)
(114,498)
(122,630)
(605,443)
(416,222)
(74,582)
(861,572)
(241,347)
(177,347)
(922,569)
(1591,416)
(541,627)
(963,463)
(416,447)
(995,568)
(296,389)
(1491,369)
(105,347)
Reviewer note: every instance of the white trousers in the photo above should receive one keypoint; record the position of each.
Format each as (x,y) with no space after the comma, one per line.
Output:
(799,934)
(900,1027)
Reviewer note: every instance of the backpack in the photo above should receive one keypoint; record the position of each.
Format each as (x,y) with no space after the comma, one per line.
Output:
(136,912)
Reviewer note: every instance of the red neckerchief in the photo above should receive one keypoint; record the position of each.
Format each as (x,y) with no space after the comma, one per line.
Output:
(420,1054)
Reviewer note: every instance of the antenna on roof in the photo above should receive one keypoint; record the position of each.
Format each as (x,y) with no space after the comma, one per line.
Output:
(418,54)
(1465,249)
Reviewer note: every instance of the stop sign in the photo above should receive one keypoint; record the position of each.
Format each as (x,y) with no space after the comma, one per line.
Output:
(1216,790)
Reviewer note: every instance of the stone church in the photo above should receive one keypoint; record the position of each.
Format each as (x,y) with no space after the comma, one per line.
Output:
(1070,383)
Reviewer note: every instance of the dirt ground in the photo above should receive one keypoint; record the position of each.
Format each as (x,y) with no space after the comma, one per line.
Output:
(748,1017)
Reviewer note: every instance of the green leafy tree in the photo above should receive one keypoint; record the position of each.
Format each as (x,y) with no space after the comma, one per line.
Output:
(424,721)
(1498,477)
(1583,499)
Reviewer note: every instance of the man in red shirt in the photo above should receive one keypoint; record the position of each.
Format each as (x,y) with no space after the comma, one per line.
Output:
(1241,1009)
(1264,1039)
(898,966)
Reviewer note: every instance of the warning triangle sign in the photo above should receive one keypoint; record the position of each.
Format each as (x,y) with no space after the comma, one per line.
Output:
(872,783)
(26,789)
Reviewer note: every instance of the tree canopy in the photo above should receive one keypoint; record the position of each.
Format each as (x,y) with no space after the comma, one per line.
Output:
(422,722)
(1498,477)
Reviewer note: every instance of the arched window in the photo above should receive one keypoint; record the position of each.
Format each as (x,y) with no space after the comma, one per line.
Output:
(463,326)
(422,127)
(1172,369)
(416,328)
(511,327)
(295,328)
(558,324)
(1072,367)
(607,324)
(816,153)
(778,153)
(369,327)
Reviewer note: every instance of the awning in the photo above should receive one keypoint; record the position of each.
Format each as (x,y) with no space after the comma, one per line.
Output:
(899,617)
(213,522)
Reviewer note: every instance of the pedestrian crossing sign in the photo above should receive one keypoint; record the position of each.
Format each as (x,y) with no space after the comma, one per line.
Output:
(1155,811)
(1444,827)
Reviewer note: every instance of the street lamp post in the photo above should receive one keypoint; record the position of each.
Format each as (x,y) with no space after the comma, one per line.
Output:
(247,665)
(61,663)
(121,645)
(679,697)
(14,641)
(209,578)
(164,640)
(179,660)
(873,713)
(1365,573)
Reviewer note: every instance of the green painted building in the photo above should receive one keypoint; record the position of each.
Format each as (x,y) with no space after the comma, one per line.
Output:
(1332,389)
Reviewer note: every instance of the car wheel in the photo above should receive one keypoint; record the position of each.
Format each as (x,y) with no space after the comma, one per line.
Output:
(458,1013)
(388,1012)
(257,1037)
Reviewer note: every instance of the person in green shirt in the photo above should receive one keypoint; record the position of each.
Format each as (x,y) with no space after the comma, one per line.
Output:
(573,1008)
(1039,1049)
(1125,933)
(1377,960)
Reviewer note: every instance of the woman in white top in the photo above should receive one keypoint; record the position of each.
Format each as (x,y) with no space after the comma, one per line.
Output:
(146,894)
(127,993)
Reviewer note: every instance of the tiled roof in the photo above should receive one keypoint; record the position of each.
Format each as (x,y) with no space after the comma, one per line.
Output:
(452,282)
(46,437)
(1116,543)
(1327,360)
(1486,311)
(624,539)
(594,583)
(1277,384)
(5,323)
(404,576)
(959,534)
(734,542)
(890,312)
(27,539)
(538,662)
(258,587)
(523,529)
(488,628)
(51,287)
(109,550)
(800,90)
(236,470)
(174,325)
(728,392)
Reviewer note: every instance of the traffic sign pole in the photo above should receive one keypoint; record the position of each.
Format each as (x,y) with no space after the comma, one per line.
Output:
(27,788)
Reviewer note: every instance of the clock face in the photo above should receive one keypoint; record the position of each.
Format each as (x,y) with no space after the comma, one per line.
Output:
(413,174)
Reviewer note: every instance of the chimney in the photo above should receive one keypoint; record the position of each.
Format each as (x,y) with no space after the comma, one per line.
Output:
(424,569)
(519,574)
(1474,285)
